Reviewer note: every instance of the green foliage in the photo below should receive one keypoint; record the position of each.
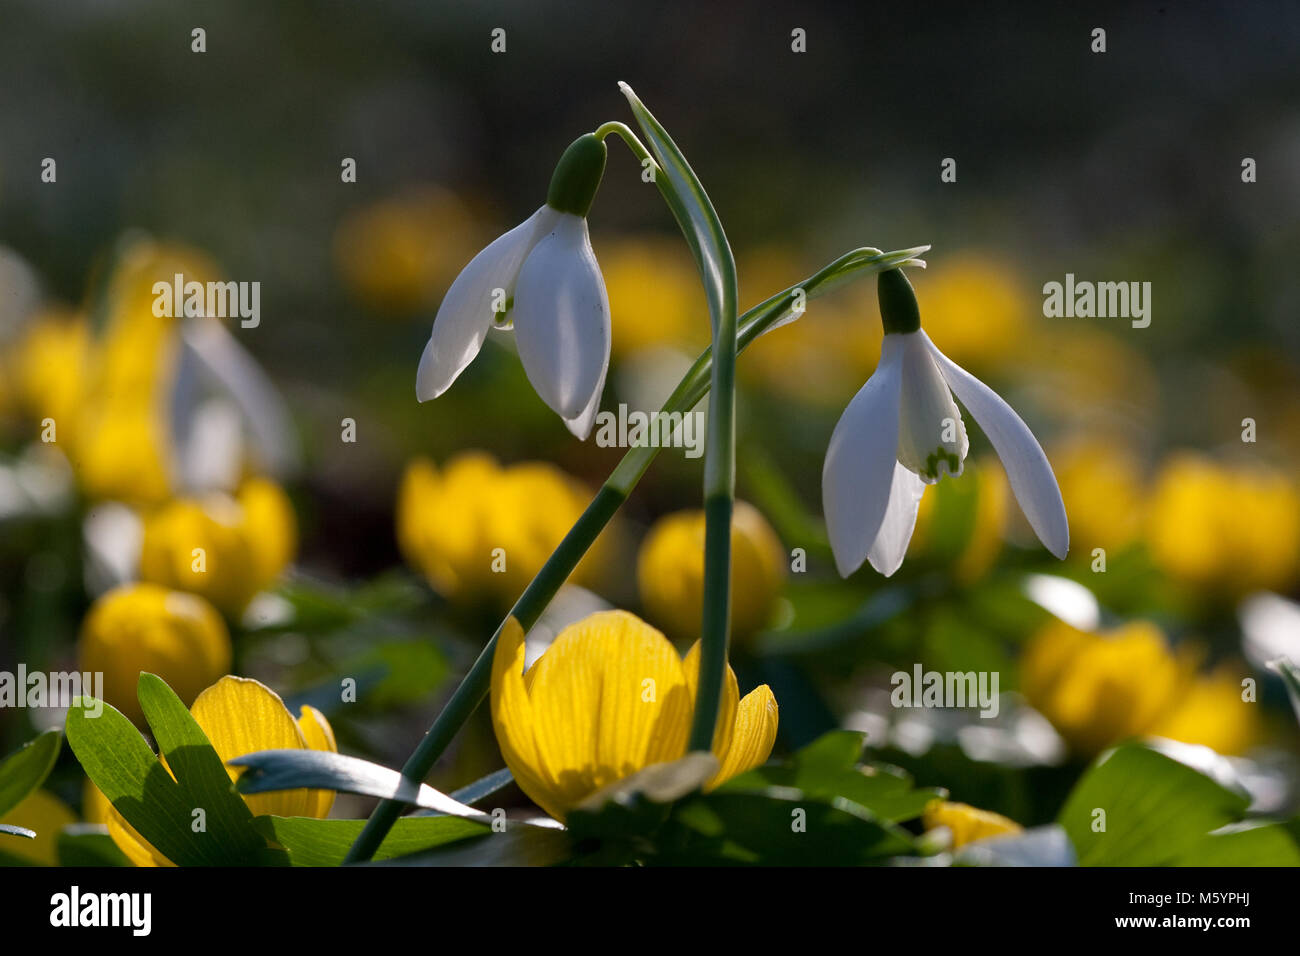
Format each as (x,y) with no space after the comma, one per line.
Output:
(1157,809)
(312,842)
(26,768)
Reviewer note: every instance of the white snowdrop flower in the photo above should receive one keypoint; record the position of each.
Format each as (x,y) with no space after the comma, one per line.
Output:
(903,431)
(541,280)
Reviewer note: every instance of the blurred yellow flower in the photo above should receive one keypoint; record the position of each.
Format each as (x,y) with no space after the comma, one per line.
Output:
(1100,689)
(221,547)
(1212,712)
(397,255)
(822,355)
(50,365)
(45,813)
(655,297)
(145,627)
(975,308)
(607,699)
(1232,529)
(239,716)
(966,823)
(1101,482)
(670,571)
(120,452)
(479,530)
(992,498)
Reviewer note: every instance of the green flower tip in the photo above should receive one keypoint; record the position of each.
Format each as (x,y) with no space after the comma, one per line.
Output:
(577,175)
(898,309)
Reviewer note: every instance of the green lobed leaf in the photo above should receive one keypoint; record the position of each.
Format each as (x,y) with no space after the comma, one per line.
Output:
(199,772)
(27,767)
(1156,808)
(515,846)
(829,768)
(1256,843)
(88,844)
(313,842)
(120,763)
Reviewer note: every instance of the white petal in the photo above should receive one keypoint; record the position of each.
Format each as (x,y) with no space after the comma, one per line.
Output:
(213,356)
(466,315)
(581,425)
(562,319)
(1028,470)
(859,468)
(931,435)
(900,520)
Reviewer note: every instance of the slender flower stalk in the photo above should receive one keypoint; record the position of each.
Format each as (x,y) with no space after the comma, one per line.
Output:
(695,384)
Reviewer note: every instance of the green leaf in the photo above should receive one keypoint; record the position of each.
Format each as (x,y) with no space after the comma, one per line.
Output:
(1255,843)
(1156,808)
(26,768)
(88,844)
(119,762)
(516,846)
(693,211)
(269,770)
(781,827)
(313,842)
(829,768)
(199,771)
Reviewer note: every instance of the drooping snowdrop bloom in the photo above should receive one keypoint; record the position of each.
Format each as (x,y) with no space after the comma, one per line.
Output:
(903,431)
(542,280)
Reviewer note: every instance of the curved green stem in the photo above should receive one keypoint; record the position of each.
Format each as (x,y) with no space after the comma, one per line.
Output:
(695,384)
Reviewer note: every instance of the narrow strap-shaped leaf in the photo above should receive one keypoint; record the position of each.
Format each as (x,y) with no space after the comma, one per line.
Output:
(26,768)
(1290,675)
(12,830)
(228,823)
(269,770)
(694,212)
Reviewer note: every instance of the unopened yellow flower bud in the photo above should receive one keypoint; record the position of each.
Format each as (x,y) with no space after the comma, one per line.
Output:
(670,571)
(224,548)
(145,627)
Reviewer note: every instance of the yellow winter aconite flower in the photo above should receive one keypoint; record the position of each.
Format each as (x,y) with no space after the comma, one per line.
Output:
(476,529)
(670,571)
(145,627)
(1101,482)
(976,307)
(398,254)
(989,521)
(654,295)
(966,823)
(607,699)
(50,365)
(239,716)
(221,547)
(1212,712)
(1232,529)
(45,813)
(1098,689)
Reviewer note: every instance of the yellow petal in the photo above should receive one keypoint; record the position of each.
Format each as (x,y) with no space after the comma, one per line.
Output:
(318,733)
(608,697)
(755,733)
(242,716)
(726,725)
(96,809)
(512,718)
